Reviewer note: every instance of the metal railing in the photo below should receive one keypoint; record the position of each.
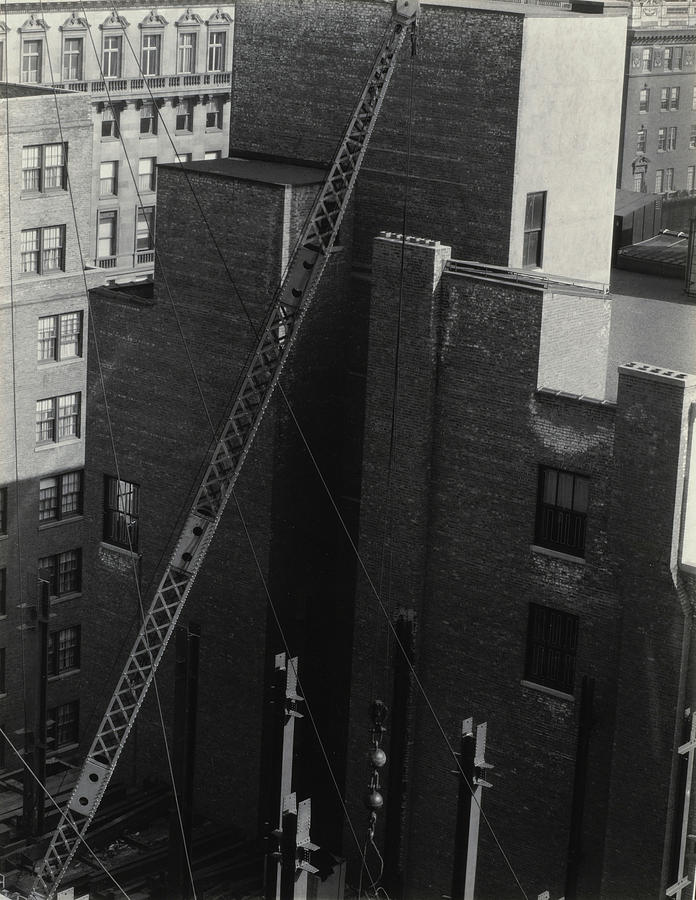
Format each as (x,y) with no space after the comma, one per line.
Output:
(524,277)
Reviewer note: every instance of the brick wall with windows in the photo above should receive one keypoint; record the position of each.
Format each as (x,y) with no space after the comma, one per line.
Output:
(508,629)
(45,395)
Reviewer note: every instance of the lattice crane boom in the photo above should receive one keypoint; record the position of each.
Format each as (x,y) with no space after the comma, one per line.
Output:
(277,336)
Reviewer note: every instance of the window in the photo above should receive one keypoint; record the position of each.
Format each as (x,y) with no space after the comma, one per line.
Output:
(664,99)
(3,510)
(43,167)
(534,228)
(3,682)
(146,173)
(647,59)
(562,510)
(145,228)
(674,98)
(184,115)
(60,497)
(109,124)
(677,58)
(213,113)
(639,181)
(672,138)
(63,572)
(108,178)
(644,103)
(3,592)
(692,137)
(111,56)
(32,51)
(186,53)
(72,59)
(661,140)
(121,510)
(216,51)
(182,157)
(690,178)
(63,725)
(59,337)
(693,99)
(42,249)
(151,54)
(552,643)
(669,179)
(213,154)
(57,418)
(64,650)
(106,234)
(659,180)
(148,118)
(641,139)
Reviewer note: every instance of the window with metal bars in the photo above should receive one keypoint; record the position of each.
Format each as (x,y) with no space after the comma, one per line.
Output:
(64,724)
(562,511)
(57,418)
(63,572)
(121,512)
(552,642)
(59,337)
(64,650)
(60,497)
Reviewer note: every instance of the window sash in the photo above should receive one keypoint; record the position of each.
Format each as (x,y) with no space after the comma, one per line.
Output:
(52,250)
(213,114)
(72,59)
(111,57)
(47,334)
(63,572)
(48,499)
(186,53)
(121,510)
(65,727)
(148,118)
(68,416)
(644,101)
(31,168)
(216,51)
(184,116)
(534,229)
(144,228)
(64,650)
(146,173)
(70,335)
(108,178)
(30,243)
(31,61)
(45,420)
(106,235)
(690,177)
(151,54)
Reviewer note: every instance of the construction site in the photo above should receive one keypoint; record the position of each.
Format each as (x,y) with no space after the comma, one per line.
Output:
(352,554)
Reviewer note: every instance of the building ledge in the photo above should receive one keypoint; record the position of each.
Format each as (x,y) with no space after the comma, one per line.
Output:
(557,554)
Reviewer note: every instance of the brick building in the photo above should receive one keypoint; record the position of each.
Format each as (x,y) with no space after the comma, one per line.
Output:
(494,375)
(658,151)
(159,85)
(43,303)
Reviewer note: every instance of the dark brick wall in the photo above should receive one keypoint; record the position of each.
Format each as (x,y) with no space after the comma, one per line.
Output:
(463,495)
(651,417)
(463,84)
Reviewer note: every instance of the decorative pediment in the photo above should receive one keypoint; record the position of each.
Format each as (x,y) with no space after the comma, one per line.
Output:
(189,18)
(73,23)
(219,18)
(154,20)
(114,21)
(34,24)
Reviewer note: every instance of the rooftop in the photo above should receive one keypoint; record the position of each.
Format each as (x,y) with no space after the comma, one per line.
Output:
(540,8)
(267,171)
(10,90)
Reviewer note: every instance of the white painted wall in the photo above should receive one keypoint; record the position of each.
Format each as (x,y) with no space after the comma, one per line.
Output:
(568,136)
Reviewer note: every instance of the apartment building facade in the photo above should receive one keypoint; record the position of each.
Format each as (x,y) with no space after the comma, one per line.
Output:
(159,84)
(659,142)
(43,305)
